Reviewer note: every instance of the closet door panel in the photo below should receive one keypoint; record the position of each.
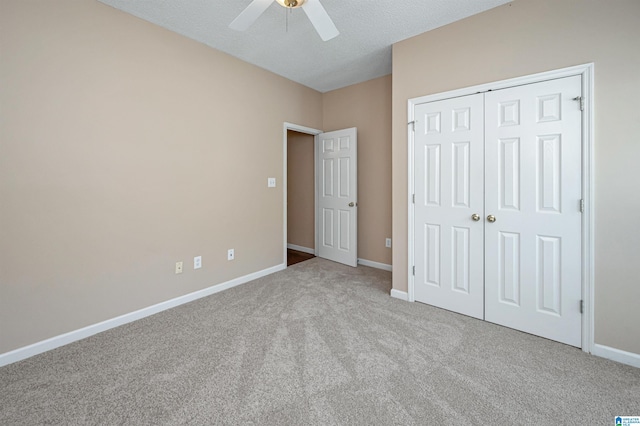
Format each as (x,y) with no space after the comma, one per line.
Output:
(449,173)
(533,189)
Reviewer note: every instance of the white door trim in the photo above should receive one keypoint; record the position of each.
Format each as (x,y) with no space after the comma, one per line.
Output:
(588,264)
(309,131)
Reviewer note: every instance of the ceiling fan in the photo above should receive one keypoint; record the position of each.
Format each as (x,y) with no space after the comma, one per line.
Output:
(313,8)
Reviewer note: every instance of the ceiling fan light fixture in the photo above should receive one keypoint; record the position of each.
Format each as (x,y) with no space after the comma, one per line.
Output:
(291,4)
(313,9)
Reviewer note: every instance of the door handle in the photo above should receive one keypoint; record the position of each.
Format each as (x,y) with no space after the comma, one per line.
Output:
(475,217)
(351,204)
(491,218)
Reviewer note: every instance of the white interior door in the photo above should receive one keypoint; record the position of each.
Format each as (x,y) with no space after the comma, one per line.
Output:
(449,173)
(337,206)
(513,157)
(533,187)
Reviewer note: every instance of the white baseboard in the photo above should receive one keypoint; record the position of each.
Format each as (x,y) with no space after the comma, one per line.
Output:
(614,354)
(402,295)
(377,265)
(302,249)
(72,336)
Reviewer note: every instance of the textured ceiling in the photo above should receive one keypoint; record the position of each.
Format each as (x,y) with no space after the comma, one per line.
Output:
(361,52)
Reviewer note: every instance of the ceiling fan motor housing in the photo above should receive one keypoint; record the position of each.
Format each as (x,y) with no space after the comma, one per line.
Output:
(291,4)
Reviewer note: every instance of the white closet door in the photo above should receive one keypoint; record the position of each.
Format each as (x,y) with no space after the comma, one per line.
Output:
(448,191)
(533,189)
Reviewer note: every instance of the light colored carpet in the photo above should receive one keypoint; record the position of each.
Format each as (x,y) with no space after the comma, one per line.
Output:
(318,343)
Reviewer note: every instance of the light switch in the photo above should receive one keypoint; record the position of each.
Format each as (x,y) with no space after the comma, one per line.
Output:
(271,182)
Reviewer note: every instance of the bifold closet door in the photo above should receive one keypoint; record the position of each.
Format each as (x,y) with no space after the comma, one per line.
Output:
(533,190)
(449,174)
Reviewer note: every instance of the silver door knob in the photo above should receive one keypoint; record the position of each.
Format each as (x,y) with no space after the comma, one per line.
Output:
(351,204)
(491,218)
(475,217)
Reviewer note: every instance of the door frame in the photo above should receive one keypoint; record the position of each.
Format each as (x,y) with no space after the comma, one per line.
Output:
(309,131)
(588,264)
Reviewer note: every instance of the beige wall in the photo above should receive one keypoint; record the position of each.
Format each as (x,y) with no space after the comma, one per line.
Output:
(123,149)
(525,37)
(300,190)
(367,106)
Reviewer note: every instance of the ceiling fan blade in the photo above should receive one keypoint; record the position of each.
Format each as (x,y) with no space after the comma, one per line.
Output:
(250,14)
(320,19)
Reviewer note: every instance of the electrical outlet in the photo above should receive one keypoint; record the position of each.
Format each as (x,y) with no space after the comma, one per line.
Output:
(387,242)
(178,267)
(197,262)
(230,254)
(271,182)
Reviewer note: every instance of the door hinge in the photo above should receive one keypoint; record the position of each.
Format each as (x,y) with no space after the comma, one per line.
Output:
(413,198)
(582,306)
(581,100)
(413,125)
(414,270)
(582,205)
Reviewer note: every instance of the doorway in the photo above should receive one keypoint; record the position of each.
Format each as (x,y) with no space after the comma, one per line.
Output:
(300,197)
(335,194)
